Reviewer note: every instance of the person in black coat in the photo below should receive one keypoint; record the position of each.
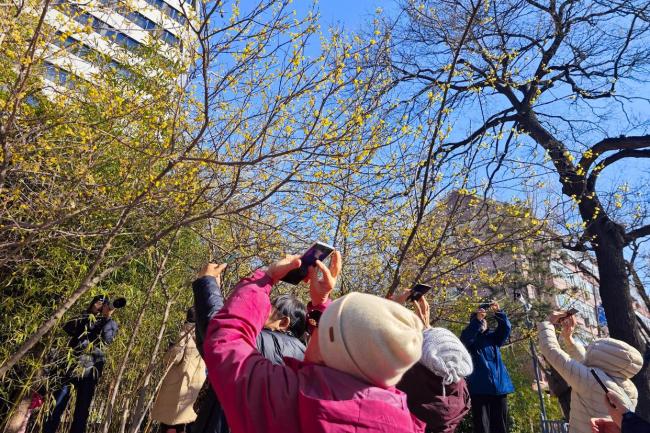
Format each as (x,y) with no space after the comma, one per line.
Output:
(89,335)
(280,338)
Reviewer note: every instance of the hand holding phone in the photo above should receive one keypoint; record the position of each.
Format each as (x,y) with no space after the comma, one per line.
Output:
(567,314)
(322,283)
(318,251)
(418,291)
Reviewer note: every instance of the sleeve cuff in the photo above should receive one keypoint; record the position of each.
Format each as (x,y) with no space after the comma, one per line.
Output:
(320,307)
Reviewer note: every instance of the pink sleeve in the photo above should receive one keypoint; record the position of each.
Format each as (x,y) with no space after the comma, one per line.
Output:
(256,395)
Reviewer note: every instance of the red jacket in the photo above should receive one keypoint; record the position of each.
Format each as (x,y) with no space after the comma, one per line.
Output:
(258,396)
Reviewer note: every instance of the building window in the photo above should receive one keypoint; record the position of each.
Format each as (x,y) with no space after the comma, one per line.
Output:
(143,22)
(87,53)
(98,25)
(146,24)
(58,75)
(169,11)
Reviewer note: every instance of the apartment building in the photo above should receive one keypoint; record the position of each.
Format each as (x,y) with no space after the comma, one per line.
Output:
(95,36)
(545,272)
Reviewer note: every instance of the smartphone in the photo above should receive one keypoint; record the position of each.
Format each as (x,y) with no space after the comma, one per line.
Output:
(418,291)
(318,251)
(228,259)
(600,382)
(568,314)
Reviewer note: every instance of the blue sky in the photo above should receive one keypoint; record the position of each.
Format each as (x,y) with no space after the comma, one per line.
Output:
(351,14)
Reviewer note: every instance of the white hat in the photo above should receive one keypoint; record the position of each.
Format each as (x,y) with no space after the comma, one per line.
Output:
(445,355)
(369,337)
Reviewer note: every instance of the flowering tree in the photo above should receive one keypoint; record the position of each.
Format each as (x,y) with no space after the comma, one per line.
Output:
(548,90)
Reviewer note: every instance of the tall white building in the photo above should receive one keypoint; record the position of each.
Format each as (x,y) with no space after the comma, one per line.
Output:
(97,34)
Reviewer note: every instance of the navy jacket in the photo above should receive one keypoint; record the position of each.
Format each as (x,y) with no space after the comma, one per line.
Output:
(490,376)
(633,423)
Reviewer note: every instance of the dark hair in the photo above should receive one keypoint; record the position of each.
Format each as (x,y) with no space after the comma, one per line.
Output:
(190,316)
(105,299)
(291,307)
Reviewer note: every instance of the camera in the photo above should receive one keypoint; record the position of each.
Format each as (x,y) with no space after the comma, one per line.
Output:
(117,303)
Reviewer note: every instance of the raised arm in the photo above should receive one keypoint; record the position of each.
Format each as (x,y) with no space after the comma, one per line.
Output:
(575,349)
(471,332)
(76,326)
(502,332)
(245,382)
(208,299)
(574,372)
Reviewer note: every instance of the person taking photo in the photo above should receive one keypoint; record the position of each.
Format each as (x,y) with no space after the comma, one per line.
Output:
(89,335)
(489,384)
(360,347)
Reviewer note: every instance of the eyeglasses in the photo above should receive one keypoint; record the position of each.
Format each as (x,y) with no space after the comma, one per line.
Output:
(313,317)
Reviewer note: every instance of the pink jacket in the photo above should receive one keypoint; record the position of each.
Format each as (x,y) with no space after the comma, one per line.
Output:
(258,396)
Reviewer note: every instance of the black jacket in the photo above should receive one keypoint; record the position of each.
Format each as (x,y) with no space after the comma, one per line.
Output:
(277,345)
(89,335)
(208,300)
(633,423)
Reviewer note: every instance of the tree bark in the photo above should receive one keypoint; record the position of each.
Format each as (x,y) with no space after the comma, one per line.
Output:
(617,301)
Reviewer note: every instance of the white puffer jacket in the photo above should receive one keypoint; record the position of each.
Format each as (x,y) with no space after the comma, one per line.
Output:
(614,361)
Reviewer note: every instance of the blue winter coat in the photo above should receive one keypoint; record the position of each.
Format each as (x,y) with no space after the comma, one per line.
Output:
(490,376)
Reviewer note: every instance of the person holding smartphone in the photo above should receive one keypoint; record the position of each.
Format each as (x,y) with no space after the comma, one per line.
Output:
(613,362)
(279,338)
(489,384)
(360,347)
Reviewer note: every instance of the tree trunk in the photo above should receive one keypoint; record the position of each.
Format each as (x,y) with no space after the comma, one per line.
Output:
(125,416)
(617,302)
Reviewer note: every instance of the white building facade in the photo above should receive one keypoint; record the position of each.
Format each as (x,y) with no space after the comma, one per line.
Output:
(114,34)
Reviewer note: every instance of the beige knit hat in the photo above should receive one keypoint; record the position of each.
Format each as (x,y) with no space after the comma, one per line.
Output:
(371,338)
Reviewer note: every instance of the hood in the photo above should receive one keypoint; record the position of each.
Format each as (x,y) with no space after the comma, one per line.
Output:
(615,357)
(445,355)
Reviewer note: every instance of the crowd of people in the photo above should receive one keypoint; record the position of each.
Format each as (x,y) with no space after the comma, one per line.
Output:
(360,363)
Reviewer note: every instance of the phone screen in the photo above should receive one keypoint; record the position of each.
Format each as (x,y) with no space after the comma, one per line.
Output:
(418,291)
(318,251)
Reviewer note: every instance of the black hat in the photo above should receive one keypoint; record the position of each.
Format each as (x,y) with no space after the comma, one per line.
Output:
(105,299)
